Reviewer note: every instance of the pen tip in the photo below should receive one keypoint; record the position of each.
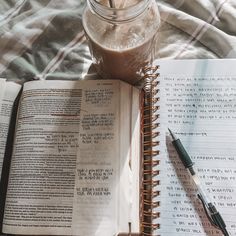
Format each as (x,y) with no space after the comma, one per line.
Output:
(170,131)
(172,134)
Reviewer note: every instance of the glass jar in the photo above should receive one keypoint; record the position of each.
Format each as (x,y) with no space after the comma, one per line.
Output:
(121,38)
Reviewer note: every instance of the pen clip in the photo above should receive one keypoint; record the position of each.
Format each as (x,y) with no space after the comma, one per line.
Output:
(207,212)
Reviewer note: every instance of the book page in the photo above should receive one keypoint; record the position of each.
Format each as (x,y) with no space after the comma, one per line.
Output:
(8,93)
(3,130)
(130,152)
(66,166)
(198,103)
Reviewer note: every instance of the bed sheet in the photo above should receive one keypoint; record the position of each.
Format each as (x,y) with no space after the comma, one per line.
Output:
(45,38)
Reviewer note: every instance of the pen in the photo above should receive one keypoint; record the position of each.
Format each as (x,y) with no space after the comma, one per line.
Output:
(212,214)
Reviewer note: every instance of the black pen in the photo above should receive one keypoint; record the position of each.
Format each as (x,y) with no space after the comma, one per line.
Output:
(212,214)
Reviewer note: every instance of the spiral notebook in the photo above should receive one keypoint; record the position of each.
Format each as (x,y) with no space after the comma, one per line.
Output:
(196,99)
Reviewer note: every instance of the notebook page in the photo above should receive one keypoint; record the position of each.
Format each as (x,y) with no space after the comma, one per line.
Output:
(198,103)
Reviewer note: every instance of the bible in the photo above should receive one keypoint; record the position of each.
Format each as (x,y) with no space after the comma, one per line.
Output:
(196,99)
(70,157)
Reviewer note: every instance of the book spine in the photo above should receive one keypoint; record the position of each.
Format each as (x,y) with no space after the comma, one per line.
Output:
(150,151)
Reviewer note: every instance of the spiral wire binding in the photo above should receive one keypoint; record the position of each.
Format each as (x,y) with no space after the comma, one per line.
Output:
(150,123)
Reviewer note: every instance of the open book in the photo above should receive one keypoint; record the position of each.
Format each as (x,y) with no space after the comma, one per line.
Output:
(76,154)
(72,165)
(196,99)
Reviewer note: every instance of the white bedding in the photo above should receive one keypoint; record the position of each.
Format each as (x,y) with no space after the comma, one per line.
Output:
(45,38)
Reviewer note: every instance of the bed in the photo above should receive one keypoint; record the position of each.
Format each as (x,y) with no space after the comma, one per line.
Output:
(45,39)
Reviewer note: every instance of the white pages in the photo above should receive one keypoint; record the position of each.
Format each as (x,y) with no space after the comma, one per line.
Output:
(75,162)
(8,93)
(198,103)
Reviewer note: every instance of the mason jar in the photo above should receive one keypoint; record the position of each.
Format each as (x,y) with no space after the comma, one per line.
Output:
(121,38)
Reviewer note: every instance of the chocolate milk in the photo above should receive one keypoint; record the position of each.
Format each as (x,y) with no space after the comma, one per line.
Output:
(120,51)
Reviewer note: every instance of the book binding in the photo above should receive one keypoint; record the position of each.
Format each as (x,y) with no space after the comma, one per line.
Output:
(150,151)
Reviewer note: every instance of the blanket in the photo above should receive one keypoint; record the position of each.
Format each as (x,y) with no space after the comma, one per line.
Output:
(45,38)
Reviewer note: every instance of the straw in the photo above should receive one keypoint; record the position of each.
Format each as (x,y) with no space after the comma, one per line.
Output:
(112,3)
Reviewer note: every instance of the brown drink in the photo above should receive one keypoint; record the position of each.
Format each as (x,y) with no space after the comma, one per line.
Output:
(122,45)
